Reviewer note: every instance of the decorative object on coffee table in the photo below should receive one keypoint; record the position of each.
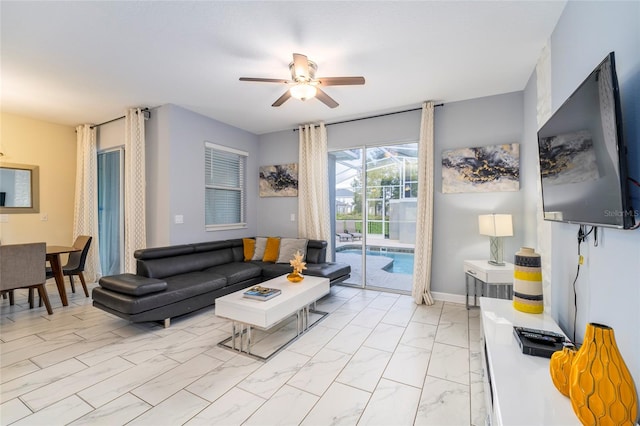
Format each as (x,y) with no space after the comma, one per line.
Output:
(527,282)
(601,388)
(560,368)
(298,265)
(261,293)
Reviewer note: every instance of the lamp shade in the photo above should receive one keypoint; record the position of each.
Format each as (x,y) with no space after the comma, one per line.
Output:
(495,225)
(303,91)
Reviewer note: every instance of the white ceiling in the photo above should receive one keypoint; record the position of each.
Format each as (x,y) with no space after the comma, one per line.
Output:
(85,62)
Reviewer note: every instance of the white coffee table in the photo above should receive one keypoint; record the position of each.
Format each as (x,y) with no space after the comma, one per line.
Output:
(244,313)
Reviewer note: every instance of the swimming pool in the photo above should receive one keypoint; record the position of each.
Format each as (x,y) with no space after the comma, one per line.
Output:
(402,261)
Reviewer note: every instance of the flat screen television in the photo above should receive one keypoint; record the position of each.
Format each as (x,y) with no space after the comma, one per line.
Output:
(583,156)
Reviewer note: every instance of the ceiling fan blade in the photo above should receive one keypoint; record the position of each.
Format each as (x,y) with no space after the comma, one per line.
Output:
(325,99)
(301,66)
(282,99)
(340,81)
(266,80)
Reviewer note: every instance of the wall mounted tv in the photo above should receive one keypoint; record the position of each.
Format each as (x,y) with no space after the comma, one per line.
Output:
(583,156)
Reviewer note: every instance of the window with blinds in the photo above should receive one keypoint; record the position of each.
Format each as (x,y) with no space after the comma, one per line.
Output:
(225,192)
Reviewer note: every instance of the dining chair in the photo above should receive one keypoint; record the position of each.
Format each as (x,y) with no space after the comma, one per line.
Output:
(75,263)
(23,266)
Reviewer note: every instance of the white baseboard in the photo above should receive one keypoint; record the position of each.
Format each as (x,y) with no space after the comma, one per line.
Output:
(448,297)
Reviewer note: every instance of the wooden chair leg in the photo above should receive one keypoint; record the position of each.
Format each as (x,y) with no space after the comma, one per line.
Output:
(84,284)
(42,291)
(12,300)
(73,287)
(30,297)
(4,294)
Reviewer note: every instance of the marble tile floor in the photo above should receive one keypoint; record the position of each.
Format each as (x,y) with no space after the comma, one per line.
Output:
(376,359)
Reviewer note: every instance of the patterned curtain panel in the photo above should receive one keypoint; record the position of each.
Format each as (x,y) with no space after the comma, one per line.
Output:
(313,185)
(85,212)
(135,231)
(421,291)
(543,87)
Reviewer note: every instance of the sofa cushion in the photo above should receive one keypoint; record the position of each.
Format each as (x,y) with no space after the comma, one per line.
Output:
(248,248)
(289,247)
(261,244)
(236,272)
(131,284)
(327,270)
(271,249)
(179,287)
(209,246)
(160,252)
(316,251)
(169,266)
(272,270)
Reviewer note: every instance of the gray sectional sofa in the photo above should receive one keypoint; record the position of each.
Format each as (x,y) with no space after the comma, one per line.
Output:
(175,280)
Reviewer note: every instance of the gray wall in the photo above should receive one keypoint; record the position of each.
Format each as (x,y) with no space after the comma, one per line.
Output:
(478,122)
(175,175)
(609,284)
(274,213)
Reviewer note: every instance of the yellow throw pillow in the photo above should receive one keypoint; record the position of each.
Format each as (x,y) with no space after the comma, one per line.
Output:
(249,246)
(271,250)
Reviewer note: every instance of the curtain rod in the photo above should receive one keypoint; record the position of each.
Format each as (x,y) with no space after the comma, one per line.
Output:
(376,116)
(147,115)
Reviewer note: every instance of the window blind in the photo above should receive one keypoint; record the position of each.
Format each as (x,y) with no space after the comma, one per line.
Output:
(225,192)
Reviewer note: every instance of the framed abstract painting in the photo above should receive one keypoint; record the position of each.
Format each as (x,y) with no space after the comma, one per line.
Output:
(279,181)
(490,168)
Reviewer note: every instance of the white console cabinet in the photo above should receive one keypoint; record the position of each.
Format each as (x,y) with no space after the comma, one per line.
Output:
(518,387)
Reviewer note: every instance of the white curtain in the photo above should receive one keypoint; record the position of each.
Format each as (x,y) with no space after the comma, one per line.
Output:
(313,185)
(421,291)
(85,211)
(135,235)
(543,107)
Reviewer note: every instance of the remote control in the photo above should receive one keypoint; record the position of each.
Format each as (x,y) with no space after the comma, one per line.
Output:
(559,337)
(540,337)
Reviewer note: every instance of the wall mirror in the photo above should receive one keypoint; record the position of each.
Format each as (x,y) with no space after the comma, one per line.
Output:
(19,188)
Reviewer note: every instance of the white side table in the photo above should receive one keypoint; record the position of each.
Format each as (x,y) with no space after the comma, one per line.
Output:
(488,280)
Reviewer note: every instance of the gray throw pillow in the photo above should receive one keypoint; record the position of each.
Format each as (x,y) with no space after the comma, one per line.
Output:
(289,247)
(261,244)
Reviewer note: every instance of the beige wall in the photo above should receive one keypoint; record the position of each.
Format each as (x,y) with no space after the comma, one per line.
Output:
(52,147)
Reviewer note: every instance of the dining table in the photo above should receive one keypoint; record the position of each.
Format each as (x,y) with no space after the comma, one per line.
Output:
(53,256)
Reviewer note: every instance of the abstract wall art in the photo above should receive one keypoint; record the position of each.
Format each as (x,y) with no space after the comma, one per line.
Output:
(279,181)
(484,169)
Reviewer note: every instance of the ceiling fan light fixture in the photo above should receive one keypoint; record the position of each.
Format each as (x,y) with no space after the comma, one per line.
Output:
(303,91)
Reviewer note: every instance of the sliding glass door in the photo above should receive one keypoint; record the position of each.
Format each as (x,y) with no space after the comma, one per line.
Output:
(375,204)
(110,211)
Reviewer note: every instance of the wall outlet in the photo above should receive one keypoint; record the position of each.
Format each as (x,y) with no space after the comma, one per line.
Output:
(293,217)
(44,217)
(4,218)
(179,219)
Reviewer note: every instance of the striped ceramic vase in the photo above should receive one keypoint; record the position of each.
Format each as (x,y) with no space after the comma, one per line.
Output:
(527,282)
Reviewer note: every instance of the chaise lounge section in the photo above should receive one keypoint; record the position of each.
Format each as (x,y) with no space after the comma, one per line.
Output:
(175,280)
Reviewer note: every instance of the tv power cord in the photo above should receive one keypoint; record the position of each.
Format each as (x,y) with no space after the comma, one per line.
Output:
(583,233)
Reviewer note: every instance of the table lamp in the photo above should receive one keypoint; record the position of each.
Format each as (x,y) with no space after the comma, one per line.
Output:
(496,226)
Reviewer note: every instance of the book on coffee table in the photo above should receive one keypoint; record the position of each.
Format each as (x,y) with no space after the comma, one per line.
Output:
(261,293)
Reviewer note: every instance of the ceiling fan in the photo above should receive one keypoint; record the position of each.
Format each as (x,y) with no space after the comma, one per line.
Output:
(304,84)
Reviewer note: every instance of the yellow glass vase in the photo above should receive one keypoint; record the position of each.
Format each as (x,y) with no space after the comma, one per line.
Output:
(295,277)
(601,388)
(560,368)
